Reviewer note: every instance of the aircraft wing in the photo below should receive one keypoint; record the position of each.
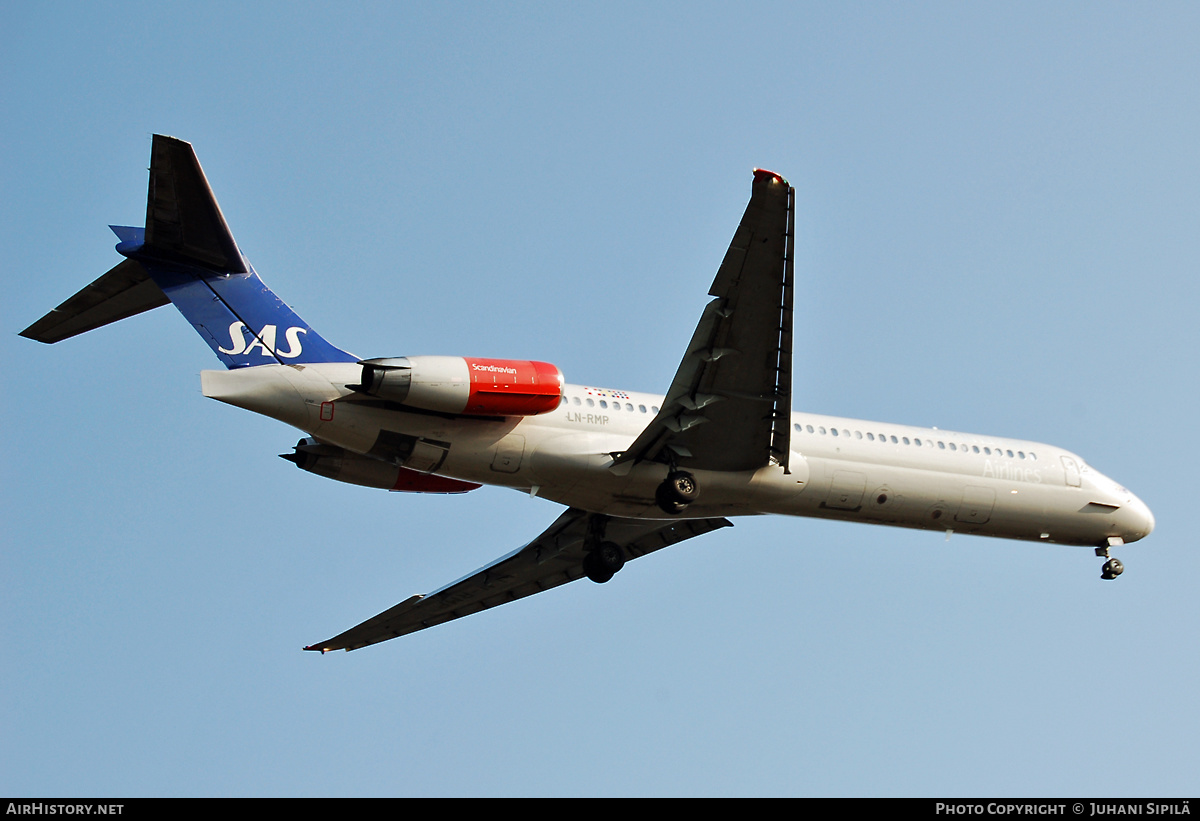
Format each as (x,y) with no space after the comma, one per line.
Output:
(553,558)
(730,403)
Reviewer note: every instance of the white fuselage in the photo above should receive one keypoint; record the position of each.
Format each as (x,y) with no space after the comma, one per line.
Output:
(846,469)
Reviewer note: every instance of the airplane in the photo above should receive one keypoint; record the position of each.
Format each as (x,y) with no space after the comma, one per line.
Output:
(637,472)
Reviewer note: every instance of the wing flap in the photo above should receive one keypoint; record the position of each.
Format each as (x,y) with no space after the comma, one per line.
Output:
(554,558)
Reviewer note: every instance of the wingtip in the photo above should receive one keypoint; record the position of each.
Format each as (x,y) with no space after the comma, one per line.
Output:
(763,175)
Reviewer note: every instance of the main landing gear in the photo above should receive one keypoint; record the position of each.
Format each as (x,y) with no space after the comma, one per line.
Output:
(1113,567)
(603,558)
(676,492)
(603,562)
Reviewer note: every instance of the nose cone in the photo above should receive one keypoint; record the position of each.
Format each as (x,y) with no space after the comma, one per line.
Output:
(1139,521)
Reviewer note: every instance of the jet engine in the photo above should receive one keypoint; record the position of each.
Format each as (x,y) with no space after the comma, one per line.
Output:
(342,465)
(475,387)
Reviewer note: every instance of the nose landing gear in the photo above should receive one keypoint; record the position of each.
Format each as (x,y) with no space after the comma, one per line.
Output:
(1113,567)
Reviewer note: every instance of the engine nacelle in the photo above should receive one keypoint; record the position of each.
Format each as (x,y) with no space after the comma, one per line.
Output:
(342,465)
(453,384)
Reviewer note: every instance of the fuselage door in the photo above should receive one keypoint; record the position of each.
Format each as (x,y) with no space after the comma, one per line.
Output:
(509,451)
(846,490)
(427,455)
(976,507)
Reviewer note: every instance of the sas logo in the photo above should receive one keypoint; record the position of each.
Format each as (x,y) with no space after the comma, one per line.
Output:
(265,341)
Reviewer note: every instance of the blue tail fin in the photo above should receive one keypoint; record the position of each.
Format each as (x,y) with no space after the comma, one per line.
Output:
(188,252)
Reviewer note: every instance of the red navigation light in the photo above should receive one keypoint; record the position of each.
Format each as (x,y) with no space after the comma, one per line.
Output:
(763,175)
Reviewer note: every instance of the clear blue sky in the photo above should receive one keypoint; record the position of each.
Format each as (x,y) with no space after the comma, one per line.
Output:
(997,232)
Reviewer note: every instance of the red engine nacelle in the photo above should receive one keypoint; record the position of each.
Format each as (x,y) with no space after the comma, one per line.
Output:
(453,384)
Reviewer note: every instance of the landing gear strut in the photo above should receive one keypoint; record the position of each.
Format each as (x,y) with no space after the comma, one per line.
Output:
(1113,567)
(603,558)
(676,492)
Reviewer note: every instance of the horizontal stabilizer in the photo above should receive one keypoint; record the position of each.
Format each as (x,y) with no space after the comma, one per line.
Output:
(124,291)
(187,255)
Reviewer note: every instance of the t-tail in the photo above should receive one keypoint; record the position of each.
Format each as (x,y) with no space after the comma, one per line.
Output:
(187,255)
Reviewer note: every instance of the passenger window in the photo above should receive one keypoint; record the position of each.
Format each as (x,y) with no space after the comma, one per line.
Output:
(833,431)
(590,403)
(642,408)
(575,400)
